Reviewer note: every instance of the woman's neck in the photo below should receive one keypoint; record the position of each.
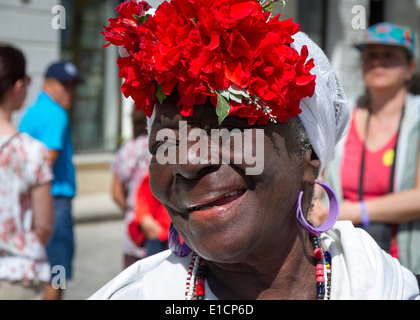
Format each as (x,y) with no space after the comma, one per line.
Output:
(288,275)
(387,102)
(6,127)
(5,115)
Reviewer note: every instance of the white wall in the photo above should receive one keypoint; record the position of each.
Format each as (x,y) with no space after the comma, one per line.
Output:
(27,25)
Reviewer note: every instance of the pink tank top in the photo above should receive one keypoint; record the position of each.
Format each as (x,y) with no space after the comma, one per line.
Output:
(377,167)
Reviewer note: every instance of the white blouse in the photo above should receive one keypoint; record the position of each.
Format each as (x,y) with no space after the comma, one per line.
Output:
(360,270)
(23,164)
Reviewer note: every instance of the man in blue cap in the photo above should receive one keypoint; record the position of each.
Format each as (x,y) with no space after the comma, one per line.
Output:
(47,120)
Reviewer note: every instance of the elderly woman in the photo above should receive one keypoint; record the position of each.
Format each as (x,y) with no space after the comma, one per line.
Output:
(237,233)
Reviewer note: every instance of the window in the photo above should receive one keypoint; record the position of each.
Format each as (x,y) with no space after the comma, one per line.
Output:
(377,12)
(95,115)
(311,15)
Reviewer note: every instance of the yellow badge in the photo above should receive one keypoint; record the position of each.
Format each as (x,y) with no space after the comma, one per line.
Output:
(388,158)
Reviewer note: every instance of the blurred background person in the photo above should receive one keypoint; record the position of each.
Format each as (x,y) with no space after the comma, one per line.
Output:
(26,204)
(129,169)
(47,120)
(376,171)
(151,219)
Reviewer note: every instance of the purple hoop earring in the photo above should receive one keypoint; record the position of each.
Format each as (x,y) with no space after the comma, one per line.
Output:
(175,245)
(332,214)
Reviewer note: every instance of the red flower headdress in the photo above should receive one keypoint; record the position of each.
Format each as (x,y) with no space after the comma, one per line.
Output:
(228,50)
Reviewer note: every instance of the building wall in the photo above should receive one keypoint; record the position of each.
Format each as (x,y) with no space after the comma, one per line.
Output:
(406,12)
(341,36)
(27,25)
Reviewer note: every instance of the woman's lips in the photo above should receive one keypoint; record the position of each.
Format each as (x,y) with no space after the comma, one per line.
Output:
(216,214)
(226,199)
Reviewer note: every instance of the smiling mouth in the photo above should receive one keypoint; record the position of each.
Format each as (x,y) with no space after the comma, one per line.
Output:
(227,198)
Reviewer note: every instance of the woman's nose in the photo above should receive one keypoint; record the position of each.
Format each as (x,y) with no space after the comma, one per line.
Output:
(196,157)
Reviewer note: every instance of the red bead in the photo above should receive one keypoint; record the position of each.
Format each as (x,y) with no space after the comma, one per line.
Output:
(318,253)
(320,279)
(319,273)
(319,266)
(200,282)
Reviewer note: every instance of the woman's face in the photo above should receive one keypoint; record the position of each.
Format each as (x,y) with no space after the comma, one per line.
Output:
(386,67)
(222,212)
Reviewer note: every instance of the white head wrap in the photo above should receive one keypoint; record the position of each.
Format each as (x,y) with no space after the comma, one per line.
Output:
(326,115)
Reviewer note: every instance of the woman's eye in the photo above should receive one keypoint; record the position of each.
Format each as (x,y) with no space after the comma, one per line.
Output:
(163,145)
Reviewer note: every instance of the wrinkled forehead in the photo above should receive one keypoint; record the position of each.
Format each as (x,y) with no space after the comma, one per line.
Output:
(167,115)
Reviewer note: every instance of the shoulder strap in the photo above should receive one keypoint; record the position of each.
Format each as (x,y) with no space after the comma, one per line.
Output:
(8,141)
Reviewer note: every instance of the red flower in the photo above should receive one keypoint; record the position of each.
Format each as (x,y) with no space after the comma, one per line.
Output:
(201,47)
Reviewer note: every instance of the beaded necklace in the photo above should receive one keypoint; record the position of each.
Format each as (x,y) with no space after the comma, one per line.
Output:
(197,271)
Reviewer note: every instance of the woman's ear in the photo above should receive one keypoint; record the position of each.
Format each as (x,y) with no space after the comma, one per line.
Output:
(411,69)
(19,84)
(311,166)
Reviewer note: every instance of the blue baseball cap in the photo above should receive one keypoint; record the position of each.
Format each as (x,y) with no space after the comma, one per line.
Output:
(392,34)
(64,71)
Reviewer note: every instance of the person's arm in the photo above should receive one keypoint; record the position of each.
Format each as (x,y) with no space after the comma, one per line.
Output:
(43,211)
(119,194)
(151,227)
(145,205)
(53,156)
(391,208)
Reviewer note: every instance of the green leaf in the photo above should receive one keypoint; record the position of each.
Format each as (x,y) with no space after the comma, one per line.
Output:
(222,108)
(141,19)
(268,8)
(159,94)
